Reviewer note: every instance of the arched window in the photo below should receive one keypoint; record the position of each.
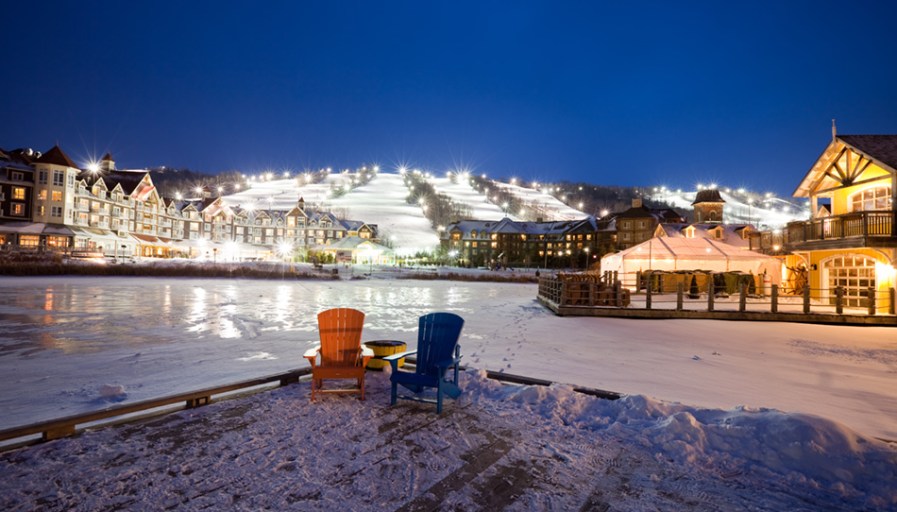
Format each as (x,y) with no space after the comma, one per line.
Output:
(878,198)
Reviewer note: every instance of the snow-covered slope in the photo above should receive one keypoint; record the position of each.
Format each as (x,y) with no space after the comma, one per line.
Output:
(548,206)
(463,194)
(742,207)
(382,201)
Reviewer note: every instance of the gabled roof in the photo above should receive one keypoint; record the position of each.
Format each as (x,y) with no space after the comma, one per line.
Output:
(56,157)
(128,180)
(880,148)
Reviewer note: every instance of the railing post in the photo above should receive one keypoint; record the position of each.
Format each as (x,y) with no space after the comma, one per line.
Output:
(870,293)
(774,299)
(618,293)
(892,294)
(592,288)
(807,299)
(742,297)
(710,293)
(648,296)
(680,291)
(839,300)
(563,294)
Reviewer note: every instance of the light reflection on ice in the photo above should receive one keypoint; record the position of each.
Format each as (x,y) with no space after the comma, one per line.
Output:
(258,356)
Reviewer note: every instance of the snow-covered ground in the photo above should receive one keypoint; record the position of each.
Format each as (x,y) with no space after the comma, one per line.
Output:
(73,344)
(495,448)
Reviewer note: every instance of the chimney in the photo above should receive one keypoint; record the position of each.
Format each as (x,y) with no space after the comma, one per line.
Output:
(637,202)
(834,131)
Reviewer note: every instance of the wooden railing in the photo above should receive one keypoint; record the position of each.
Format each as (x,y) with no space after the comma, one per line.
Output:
(61,427)
(851,225)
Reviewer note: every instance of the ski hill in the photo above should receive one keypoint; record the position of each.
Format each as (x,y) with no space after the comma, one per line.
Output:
(764,211)
(383,201)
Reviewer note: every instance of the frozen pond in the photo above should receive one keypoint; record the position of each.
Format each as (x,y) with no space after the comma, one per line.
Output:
(66,341)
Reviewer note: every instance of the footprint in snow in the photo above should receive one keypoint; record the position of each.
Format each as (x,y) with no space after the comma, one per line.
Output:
(696,358)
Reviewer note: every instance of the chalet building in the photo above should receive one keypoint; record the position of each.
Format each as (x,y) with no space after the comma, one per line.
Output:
(515,243)
(16,186)
(47,203)
(55,188)
(708,206)
(35,199)
(639,223)
(850,241)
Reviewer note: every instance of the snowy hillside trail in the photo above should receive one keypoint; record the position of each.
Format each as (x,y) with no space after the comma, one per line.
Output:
(382,201)
(496,448)
(461,193)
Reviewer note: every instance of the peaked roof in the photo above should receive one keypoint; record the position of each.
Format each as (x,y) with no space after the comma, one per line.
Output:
(129,180)
(107,157)
(878,147)
(881,149)
(56,157)
(710,195)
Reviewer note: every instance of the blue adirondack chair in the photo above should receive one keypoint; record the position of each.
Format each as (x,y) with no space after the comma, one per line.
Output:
(437,352)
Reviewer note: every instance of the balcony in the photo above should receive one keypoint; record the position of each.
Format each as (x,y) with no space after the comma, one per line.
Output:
(859,229)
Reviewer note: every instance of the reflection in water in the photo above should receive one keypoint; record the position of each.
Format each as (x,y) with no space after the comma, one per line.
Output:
(78,315)
(198,310)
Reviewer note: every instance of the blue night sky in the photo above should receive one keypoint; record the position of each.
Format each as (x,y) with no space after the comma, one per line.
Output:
(615,93)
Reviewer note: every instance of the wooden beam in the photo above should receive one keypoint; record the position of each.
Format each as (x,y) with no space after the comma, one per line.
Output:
(61,427)
(863,182)
(861,170)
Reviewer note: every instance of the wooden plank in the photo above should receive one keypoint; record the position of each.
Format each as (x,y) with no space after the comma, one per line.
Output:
(66,425)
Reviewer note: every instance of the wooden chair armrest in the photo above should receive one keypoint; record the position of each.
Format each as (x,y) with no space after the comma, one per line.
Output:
(312,352)
(448,363)
(396,357)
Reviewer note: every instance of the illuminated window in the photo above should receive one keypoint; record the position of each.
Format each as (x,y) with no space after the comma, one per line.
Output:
(18,210)
(854,273)
(18,193)
(56,195)
(29,240)
(871,199)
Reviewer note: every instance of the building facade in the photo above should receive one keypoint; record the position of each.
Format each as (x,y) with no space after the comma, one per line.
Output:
(48,204)
(849,243)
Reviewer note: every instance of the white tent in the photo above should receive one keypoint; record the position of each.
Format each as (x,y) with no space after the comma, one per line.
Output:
(673,254)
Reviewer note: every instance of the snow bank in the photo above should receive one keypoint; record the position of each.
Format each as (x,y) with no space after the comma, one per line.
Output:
(801,449)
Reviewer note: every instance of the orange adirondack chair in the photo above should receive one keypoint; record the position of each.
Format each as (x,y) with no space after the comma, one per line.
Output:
(341,354)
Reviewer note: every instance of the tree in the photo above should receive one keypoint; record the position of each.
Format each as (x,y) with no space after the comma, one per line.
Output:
(693,292)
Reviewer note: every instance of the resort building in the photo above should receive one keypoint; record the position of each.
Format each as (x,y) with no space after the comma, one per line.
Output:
(849,243)
(48,204)
(511,243)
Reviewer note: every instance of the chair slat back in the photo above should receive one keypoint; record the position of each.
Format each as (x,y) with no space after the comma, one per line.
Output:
(437,336)
(340,332)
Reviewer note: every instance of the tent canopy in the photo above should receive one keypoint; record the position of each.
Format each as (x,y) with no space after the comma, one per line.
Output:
(673,254)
